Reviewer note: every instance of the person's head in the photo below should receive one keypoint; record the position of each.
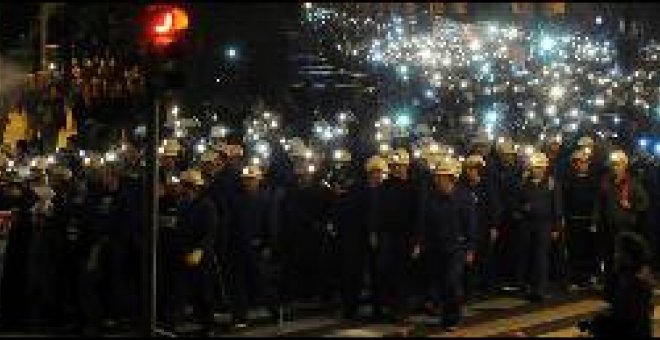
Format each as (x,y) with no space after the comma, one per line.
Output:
(251,177)
(169,154)
(208,163)
(376,168)
(539,165)
(619,163)
(474,166)
(399,164)
(446,175)
(580,162)
(507,153)
(192,183)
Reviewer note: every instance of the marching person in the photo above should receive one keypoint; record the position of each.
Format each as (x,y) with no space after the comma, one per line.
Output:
(250,239)
(359,239)
(510,174)
(197,223)
(539,209)
(580,192)
(481,278)
(400,213)
(301,219)
(621,200)
(448,225)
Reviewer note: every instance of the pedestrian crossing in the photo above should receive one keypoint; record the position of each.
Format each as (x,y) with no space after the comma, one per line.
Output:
(494,317)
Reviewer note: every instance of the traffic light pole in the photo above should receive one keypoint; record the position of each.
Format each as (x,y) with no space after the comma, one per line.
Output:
(150,239)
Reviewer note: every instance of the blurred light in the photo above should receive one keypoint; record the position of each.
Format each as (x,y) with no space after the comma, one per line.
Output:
(547,43)
(656,149)
(491,117)
(403,120)
(556,92)
(231,52)
(643,143)
(201,148)
(599,20)
(175,111)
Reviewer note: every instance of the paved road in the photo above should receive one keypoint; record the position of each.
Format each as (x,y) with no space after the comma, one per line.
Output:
(496,316)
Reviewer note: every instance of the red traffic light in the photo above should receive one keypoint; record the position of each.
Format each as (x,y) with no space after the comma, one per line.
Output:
(165,24)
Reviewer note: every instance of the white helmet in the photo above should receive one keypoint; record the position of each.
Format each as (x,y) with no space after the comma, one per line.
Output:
(171,147)
(400,156)
(192,176)
(447,165)
(208,156)
(475,160)
(341,156)
(376,163)
(539,160)
(618,156)
(252,171)
(585,141)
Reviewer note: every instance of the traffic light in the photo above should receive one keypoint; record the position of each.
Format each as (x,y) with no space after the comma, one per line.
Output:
(164,36)
(165,25)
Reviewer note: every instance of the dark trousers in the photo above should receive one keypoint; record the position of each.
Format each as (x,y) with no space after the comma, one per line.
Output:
(583,255)
(391,275)
(480,277)
(200,291)
(250,281)
(446,275)
(533,260)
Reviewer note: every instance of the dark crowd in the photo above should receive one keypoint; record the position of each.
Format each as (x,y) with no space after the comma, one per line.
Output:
(398,233)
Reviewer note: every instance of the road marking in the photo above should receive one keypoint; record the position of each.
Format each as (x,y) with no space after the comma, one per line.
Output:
(511,324)
(571,332)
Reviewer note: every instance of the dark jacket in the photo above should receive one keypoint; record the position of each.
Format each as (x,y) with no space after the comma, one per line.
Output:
(539,204)
(197,224)
(399,207)
(579,195)
(449,222)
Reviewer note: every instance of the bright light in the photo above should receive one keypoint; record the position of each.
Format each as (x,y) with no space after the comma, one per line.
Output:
(656,149)
(403,120)
(429,94)
(547,43)
(175,111)
(490,117)
(231,52)
(599,20)
(307,5)
(52,66)
(556,92)
(643,143)
(201,148)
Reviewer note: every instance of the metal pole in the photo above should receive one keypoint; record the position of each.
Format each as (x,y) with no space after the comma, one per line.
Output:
(150,241)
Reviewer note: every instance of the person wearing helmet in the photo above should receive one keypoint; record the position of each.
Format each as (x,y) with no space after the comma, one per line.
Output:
(508,184)
(447,229)
(481,279)
(359,239)
(250,248)
(621,201)
(197,221)
(103,274)
(579,194)
(339,184)
(301,216)
(540,211)
(399,214)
